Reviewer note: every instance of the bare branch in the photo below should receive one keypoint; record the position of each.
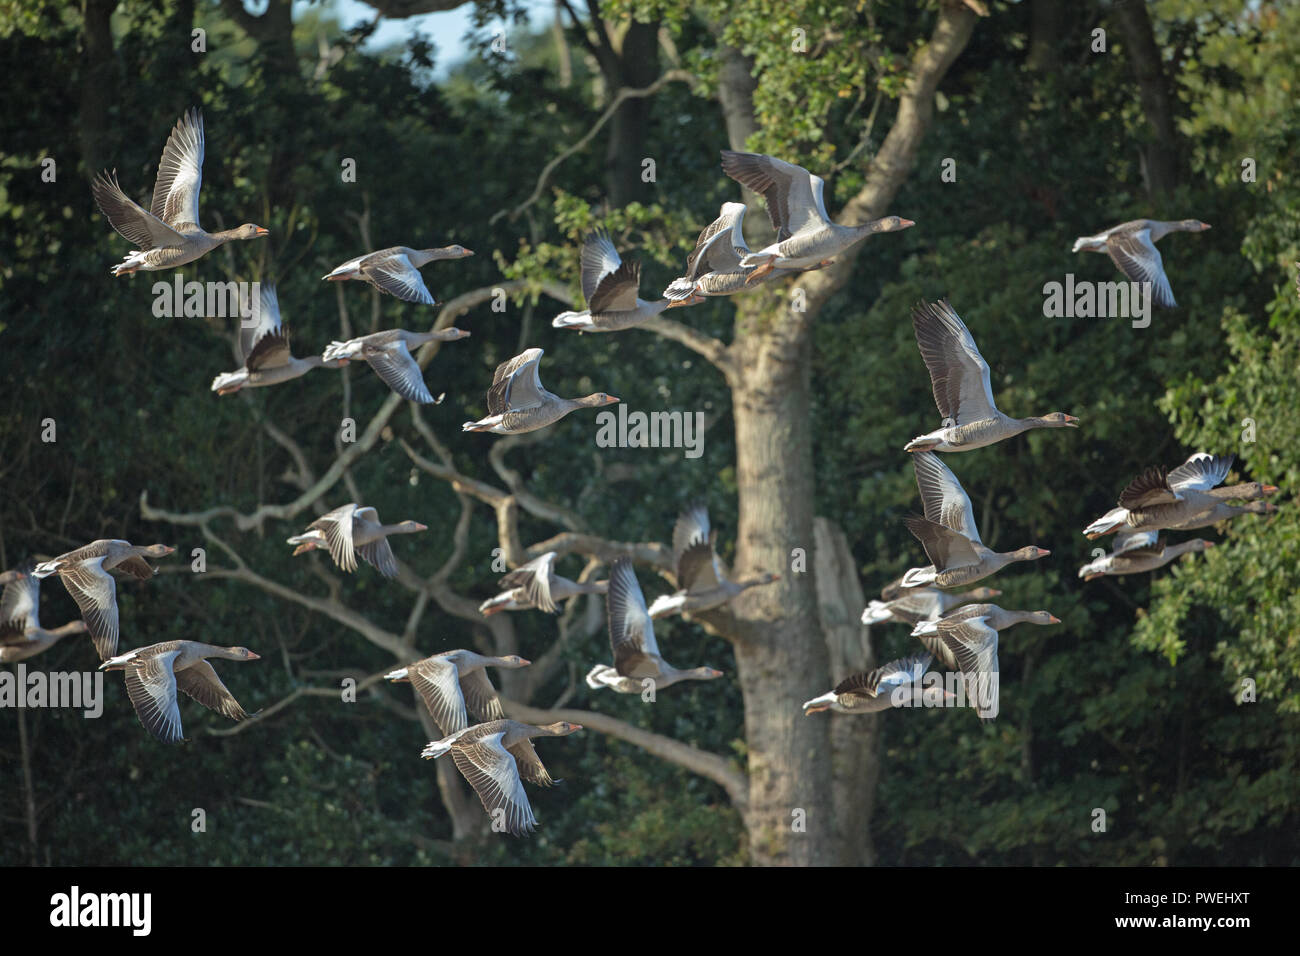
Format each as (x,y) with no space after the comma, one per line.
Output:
(671,76)
(716,351)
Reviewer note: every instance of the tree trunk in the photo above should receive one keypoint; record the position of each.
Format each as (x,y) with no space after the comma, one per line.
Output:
(1161,156)
(97,84)
(636,66)
(855,741)
(780,651)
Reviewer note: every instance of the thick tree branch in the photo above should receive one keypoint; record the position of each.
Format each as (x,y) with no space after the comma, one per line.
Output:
(701,762)
(712,349)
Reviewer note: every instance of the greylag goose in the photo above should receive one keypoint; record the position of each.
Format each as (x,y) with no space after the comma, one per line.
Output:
(1145,556)
(453,681)
(947,532)
(167,234)
(84,572)
(264,347)
(21,634)
(518,403)
(496,758)
(632,637)
(805,236)
(154,673)
(702,581)
(1158,498)
(1132,247)
(959,378)
(897,684)
(1222,512)
(714,268)
(970,635)
(389,354)
(914,605)
(396,270)
(351,530)
(536,585)
(609,285)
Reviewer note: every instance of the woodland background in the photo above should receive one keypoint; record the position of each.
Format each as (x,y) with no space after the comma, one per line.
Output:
(1131,705)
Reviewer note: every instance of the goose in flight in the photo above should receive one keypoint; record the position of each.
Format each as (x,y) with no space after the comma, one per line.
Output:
(389,355)
(702,581)
(1140,552)
(959,378)
(970,635)
(1132,247)
(496,758)
(897,684)
(714,268)
(264,347)
(167,234)
(84,572)
(805,236)
(351,530)
(536,585)
(632,638)
(947,532)
(396,270)
(912,605)
(1159,498)
(21,634)
(156,672)
(518,403)
(609,286)
(454,682)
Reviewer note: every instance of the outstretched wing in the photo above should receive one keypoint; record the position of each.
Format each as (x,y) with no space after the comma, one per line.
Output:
(180,174)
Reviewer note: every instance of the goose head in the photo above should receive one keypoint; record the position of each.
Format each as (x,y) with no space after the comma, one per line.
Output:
(514,660)
(890,224)
(1029,553)
(1059,420)
(596,399)
(242,654)
(158,550)
(1043,617)
(410,527)
(250,231)
(1193,225)
(561,728)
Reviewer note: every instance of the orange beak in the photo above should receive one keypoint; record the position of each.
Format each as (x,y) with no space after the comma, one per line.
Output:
(254,657)
(262,232)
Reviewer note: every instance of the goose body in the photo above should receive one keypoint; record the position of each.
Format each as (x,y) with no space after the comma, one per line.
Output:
(21,634)
(806,238)
(896,684)
(1223,511)
(455,683)
(496,758)
(388,353)
(1147,556)
(155,673)
(264,348)
(167,234)
(536,585)
(609,286)
(714,267)
(702,580)
(84,572)
(947,532)
(396,270)
(518,403)
(959,378)
(1132,247)
(1160,498)
(353,530)
(970,635)
(632,639)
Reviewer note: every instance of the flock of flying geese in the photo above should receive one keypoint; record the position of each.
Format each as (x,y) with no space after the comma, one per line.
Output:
(495,754)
